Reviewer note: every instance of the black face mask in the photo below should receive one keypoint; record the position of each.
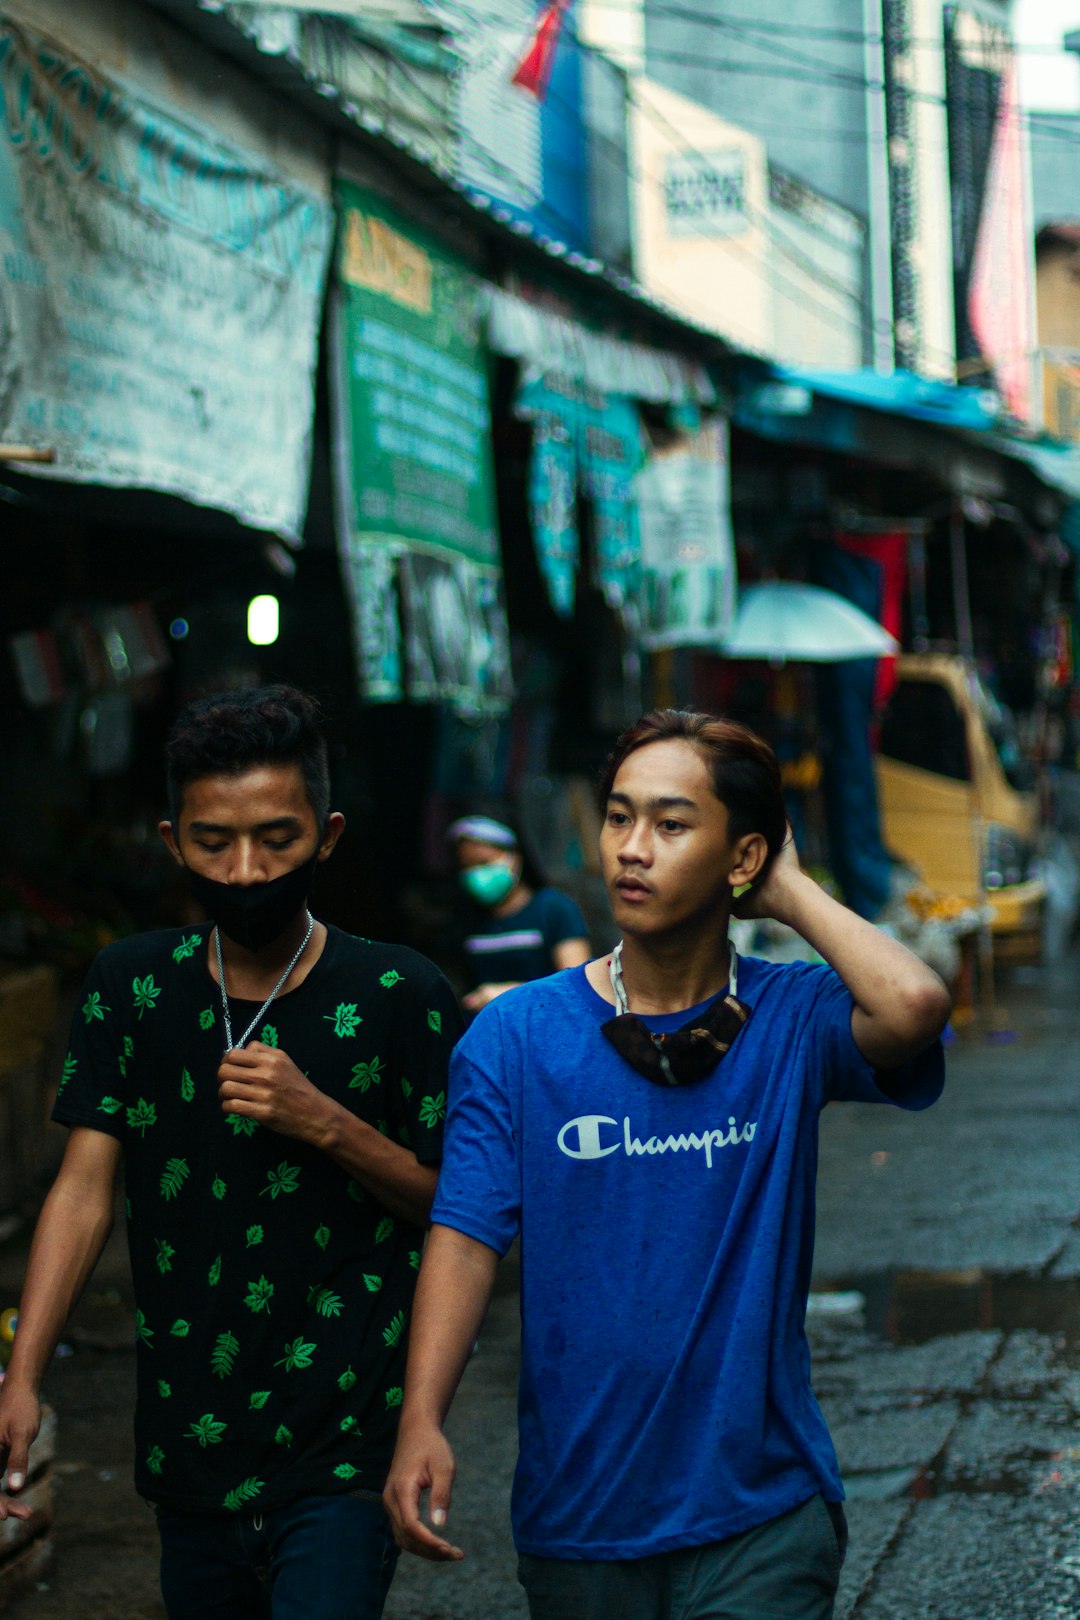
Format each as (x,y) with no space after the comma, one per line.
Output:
(254,914)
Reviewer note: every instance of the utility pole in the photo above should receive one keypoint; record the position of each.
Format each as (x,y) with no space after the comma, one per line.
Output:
(879,210)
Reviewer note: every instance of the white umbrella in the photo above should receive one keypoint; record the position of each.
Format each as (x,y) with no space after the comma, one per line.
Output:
(782,621)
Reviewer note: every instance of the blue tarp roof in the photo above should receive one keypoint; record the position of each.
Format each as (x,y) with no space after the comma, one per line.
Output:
(923,399)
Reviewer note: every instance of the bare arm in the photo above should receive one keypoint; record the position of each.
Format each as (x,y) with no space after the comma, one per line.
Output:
(900,1004)
(452,1295)
(263,1083)
(570,953)
(72,1230)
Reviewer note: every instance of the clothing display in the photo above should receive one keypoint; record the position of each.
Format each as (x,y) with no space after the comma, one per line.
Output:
(666,1245)
(272,1291)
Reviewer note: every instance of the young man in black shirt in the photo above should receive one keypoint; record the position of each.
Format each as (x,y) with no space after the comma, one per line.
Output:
(276,1091)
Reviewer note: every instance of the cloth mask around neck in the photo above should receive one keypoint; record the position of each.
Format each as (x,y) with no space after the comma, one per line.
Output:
(488,884)
(254,914)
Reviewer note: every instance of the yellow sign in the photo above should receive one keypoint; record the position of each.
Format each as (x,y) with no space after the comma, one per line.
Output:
(378,258)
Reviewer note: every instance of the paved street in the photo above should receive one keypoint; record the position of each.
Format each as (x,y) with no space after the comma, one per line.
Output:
(949,1368)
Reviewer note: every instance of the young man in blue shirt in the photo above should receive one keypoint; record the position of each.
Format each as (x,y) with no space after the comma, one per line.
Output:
(648,1123)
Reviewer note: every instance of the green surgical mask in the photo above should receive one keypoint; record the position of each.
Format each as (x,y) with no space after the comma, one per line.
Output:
(488,884)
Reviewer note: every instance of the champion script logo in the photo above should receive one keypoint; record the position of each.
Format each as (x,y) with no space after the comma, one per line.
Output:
(590,1136)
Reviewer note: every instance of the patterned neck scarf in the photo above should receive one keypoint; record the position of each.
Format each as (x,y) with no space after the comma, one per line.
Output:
(686,1055)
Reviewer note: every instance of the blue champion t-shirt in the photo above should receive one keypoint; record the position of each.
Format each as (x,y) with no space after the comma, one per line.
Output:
(667,1236)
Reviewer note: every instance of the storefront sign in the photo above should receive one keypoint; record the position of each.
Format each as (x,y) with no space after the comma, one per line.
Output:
(160,293)
(415,479)
(687,553)
(705,193)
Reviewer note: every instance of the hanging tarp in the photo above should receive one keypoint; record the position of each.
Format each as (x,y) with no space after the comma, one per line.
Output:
(415,479)
(687,549)
(588,441)
(542,339)
(160,293)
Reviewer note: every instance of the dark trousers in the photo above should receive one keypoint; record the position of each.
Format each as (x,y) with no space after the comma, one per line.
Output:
(785,1569)
(326,1556)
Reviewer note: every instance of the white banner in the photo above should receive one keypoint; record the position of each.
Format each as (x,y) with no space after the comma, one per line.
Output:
(687,551)
(160,293)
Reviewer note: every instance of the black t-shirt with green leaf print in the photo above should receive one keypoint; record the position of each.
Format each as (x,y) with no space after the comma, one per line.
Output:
(272,1291)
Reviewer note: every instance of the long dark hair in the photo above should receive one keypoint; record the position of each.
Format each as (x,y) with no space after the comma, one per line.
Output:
(745,775)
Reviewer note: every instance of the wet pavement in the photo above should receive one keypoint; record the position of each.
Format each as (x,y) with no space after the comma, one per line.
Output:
(946,1336)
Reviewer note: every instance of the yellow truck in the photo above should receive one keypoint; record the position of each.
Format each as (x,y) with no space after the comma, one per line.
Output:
(955,801)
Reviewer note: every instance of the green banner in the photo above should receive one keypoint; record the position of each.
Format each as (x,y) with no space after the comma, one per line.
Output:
(416,499)
(416,495)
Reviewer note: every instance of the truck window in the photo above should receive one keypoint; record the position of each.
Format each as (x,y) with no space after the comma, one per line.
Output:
(922,726)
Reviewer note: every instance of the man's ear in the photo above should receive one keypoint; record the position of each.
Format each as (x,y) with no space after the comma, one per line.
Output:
(751,858)
(335,826)
(168,838)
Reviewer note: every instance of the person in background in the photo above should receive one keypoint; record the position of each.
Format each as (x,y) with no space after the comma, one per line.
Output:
(517,928)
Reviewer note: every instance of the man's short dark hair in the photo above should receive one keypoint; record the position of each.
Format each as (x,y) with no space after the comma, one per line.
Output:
(230,732)
(745,775)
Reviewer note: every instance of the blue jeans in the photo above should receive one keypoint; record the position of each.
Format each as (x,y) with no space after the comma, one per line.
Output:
(330,1556)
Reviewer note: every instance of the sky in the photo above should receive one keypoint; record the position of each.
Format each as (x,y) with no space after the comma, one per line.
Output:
(1049,82)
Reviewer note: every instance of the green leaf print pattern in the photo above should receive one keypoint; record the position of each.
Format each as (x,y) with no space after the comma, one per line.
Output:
(142,1331)
(109,1105)
(414,1259)
(173,1176)
(70,1065)
(206,1018)
(146,993)
(246,1491)
(434,1019)
(165,1252)
(259,1295)
(240,1125)
(154,1459)
(325,1302)
(346,1471)
(433,1109)
(406,1088)
(164,1389)
(186,947)
(93,1007)
(322,1237)
(283,1437)
(393,1333)
(344,1018)
(269,1035)
(365,1075)
(259,1398)
(223,1354)
(394,1396)
(390,978)
(254,1235)
(207,1432)
(187,1086)
(214,1274)
(180,1329)
(297,1354)
(285,1179)
(372,1282)
(218,1188)
(347,1380)
(384,1229)
(142,1116)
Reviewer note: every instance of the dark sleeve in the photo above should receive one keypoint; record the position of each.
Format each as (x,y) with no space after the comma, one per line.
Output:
(434,1023)
(562,919)
(849,1077)
(93,1086)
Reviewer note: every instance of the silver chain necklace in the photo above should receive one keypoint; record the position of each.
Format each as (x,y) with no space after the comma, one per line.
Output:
(622,1005)
(246,1036)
